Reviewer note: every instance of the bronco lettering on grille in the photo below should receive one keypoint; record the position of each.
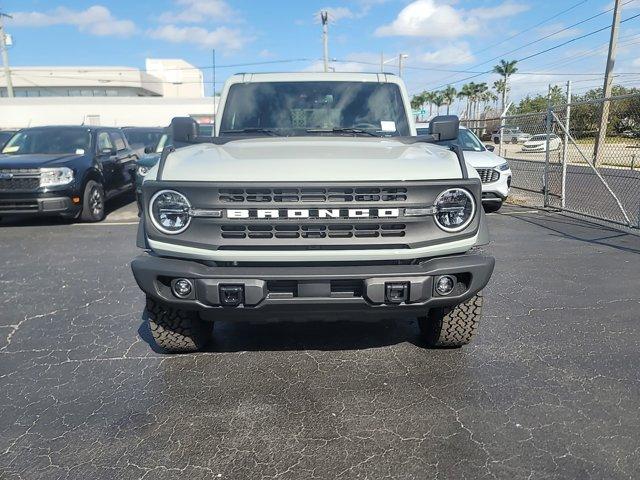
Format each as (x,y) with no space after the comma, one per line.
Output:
(315,213)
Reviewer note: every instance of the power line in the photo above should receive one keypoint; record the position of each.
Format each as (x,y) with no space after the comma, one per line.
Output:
(528,57)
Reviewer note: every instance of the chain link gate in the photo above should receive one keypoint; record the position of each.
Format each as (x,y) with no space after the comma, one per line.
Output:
(556,164)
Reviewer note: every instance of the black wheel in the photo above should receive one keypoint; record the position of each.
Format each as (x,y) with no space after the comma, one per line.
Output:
(514,141)
(177,331)
(490,207)
(92,202)
(452,326)
(496,140)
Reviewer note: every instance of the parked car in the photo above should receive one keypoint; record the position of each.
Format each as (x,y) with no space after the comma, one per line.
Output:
(65,170)
(538,143)
(5,135)
(494,171)
(142,138)
(314,199)
(510,135)
(147,161)
(630,134)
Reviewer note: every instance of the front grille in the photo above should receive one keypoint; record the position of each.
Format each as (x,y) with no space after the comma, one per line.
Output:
(21,179)
(18,205)
(315,195)
(488,175)
(313,231)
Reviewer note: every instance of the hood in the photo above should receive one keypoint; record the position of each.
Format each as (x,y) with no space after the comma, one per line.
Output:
(484,159)
(148,159)
(35,160)
(312,159)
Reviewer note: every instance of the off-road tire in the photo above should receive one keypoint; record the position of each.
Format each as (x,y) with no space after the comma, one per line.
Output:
(93,192)
(452,326)
(177,331)
(491,207)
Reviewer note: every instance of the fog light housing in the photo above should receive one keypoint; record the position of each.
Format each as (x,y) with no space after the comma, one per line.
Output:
(444,284)
(182,288)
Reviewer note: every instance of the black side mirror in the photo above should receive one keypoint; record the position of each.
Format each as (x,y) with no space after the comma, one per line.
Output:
(149,149)
(184,129)
(445,127)
(491,148)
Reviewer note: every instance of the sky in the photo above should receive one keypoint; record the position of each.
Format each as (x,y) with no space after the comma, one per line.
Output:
(447,42)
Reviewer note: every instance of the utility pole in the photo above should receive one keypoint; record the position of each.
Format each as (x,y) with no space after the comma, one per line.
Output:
(324,17)
(608,83)
(5,56)
(213,81)
(401,57)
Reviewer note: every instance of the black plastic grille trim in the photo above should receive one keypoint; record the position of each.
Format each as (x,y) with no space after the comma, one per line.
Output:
(315,195)
(313,231)
(23,179)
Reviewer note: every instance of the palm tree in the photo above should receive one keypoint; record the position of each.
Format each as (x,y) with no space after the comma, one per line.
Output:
(438,101)
(466,92)
(505,69)
(449,94)
(428,99)
(417,101)
(500,86)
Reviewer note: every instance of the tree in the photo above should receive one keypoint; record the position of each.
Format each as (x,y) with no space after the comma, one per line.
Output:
(501,88)
(465,93)
(449,94)
(417,101)
(505,69)
(438,101)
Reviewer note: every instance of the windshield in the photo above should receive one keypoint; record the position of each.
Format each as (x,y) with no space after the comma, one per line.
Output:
(49,141)
(310,108)
(142,137)
(467,140)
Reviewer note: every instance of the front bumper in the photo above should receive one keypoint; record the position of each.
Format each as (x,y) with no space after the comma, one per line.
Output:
(317,289)
(37,205)
(498,190)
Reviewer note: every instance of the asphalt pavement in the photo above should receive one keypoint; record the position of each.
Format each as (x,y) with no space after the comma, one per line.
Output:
(549,389)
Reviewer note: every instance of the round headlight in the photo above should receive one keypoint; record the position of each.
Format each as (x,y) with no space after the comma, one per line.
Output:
(454,209)
(170,211)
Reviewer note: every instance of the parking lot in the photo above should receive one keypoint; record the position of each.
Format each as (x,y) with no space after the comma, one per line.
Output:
(550,388)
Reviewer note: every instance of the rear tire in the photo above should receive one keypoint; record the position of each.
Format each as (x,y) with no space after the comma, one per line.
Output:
(491,207)
(175,330)
(452,326)
(92,202)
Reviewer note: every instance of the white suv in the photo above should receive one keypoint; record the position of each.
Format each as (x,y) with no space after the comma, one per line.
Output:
(494,171)
(510,135)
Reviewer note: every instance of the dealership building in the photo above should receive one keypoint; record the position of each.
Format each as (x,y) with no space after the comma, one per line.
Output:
(112,96)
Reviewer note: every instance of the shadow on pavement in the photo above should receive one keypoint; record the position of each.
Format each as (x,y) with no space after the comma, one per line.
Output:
(238,336)
(585,231)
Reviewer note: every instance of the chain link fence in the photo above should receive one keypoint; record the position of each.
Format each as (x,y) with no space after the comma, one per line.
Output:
(559,160)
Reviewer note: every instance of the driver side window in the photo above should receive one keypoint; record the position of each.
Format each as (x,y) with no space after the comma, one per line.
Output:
(104,142)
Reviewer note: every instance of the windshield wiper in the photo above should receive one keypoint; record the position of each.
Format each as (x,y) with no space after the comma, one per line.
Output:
(355,131)
(268,131)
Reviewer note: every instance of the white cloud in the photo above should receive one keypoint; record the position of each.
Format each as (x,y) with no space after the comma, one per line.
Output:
(222,37)
(96,20)
(425,18)
(199,11)
(429,19)
(452,54)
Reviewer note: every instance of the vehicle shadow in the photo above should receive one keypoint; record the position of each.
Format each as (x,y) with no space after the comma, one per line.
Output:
(585,231)
(117,203)
(239,336)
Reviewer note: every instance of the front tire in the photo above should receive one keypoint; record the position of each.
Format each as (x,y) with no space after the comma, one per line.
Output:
(175,330)
(452,326)
(93,203)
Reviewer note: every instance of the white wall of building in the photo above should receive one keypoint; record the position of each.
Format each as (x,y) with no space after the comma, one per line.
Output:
(107,111)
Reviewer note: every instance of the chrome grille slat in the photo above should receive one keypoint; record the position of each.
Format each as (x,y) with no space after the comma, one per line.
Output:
(488,175)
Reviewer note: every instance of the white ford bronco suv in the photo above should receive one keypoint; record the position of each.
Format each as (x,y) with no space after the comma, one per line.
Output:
(314,198)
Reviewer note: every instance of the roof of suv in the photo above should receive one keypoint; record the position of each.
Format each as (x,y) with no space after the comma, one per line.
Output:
(315,77)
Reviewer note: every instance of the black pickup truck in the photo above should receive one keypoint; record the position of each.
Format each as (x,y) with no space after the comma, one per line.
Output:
(65,170)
